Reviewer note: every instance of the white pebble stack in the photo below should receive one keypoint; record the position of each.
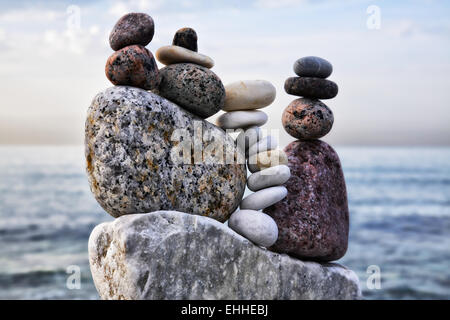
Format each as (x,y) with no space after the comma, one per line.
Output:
(242,98)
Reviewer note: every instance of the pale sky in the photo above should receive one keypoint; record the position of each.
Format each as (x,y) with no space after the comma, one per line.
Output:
(394,81)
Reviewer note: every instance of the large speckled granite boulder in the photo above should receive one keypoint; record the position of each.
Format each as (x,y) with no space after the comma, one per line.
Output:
(313,220)
(135,163)
(173,255)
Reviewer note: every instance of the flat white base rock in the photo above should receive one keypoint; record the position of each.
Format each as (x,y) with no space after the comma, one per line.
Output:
(174,255)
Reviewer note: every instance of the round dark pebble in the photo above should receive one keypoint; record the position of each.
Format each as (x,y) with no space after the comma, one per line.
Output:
(193,87)
(313,67)
(133,66)
(311,87)
(307,119)
(186,38)
(132,28)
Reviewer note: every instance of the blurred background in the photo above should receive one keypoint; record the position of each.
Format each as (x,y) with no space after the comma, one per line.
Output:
(392,115)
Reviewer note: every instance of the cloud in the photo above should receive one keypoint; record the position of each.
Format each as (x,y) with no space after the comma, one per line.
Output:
(119,8)
(273,4)
(69,41)
(30,15)
(410,28)
(403,28)
(60,68)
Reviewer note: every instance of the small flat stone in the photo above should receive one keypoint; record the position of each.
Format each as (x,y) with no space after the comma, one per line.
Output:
(249,137)
(266,159)
(186,38)
(267,143)
(263,198)
(307,119)
(269,177)
(256,226)
(174,54)
(248,95)
(311,87)
(193,87)
(133,66)
(241,119)
(313,67)
(132,28)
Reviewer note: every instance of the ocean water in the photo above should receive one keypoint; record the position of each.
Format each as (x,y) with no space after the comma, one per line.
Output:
(399,202)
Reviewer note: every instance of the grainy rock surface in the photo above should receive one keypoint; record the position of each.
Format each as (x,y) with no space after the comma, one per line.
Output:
(173,255)
(313,67)
(311,87)
(313,220)
(242,119)
(133,66)
(186,38)
(132,28)
(193,87)
(135,162)
(307,119)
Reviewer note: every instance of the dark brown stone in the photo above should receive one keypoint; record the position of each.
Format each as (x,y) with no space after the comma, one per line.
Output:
(313,220)
(307,119)
(186,38)
(311,87)
(132,28)
(133,66)
(193,87)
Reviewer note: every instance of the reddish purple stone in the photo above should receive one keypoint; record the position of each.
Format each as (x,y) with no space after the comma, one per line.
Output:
(313,220)
(132,28)
(133,66)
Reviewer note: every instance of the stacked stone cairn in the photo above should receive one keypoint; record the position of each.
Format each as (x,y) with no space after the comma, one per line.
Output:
(132,64)
(267,164)
(313,220)
(171,200)
(185,69)
(139,134)
(128,132)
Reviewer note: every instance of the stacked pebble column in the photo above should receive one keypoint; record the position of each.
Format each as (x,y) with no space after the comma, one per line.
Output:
(132,64)
(187,79)
(308,118)
(242,100)
(313,219)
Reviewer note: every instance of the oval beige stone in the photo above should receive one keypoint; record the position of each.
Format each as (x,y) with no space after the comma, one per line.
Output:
(174,54)
(241,119)
(267,159)
(263,198)
(248,95)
